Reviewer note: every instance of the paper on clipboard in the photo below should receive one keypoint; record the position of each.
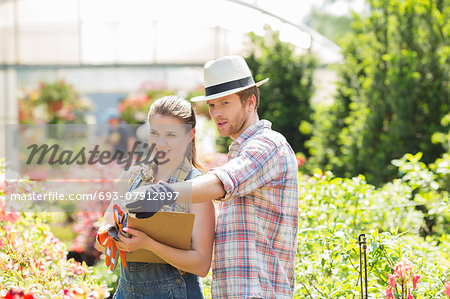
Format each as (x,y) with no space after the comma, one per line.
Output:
(170,228)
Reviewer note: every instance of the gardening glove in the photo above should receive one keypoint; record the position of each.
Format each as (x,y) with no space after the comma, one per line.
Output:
(156,196)
(111,250)
(107,238)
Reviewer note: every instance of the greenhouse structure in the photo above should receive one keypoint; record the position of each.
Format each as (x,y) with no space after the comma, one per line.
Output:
(107,49)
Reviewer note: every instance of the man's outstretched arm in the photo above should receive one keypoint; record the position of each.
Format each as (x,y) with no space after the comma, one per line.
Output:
(200,189)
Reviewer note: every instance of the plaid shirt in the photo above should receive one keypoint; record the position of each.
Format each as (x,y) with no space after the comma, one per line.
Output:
(256,232)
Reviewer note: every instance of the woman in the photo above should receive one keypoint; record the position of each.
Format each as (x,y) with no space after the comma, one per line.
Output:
(172,130)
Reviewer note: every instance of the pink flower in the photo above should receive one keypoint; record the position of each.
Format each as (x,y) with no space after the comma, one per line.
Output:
(39,265)
(76,268)
(447,288)
(391,281)
(389,294)
(74,292)
(404,273)
(7,216)
(402,268)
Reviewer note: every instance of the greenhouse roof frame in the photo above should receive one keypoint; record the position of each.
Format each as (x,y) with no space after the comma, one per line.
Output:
(75,34)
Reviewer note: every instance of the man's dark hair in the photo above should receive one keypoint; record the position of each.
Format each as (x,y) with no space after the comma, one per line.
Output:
(246,93)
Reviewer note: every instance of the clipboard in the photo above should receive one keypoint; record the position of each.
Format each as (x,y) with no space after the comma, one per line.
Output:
(170,228)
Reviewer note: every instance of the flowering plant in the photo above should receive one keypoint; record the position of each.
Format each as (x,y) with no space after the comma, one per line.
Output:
(54,103)
(402,261)
(404,275)
(447,288)
(33,261)
(301,159)
(134,108)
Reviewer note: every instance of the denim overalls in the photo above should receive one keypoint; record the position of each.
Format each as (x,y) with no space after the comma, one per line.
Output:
(157,281)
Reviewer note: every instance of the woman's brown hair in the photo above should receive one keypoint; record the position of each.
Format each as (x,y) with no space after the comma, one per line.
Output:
(181,109)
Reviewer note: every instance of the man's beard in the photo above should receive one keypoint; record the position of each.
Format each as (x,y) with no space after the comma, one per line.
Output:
(235,124)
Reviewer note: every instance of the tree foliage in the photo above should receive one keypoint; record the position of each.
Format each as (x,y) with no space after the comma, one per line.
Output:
(392,93)
(285,99)
(331,26)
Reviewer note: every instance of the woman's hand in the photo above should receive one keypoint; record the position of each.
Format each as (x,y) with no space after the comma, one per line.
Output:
(138,240)
(103,228)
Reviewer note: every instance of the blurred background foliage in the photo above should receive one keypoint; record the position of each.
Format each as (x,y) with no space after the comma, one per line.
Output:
(392,91)
(286,99)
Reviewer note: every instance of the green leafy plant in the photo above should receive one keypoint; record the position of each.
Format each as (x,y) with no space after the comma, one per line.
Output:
(285,99)
(392,91)
(334,211)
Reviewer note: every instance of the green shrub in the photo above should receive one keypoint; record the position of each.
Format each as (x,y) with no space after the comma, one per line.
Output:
(333,212)
(285,99)
(392,91)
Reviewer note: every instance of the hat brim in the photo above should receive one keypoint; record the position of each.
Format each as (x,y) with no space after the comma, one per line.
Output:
(225,93)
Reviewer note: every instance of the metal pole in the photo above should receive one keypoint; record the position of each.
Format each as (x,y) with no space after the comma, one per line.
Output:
(80,39)
(360,267)
(363,245)
(365,263)
(16,32)
(313,33)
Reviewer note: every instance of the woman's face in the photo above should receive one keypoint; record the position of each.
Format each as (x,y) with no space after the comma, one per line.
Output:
(171,136)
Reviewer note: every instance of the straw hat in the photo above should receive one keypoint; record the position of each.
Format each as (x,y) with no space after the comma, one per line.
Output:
(225,76)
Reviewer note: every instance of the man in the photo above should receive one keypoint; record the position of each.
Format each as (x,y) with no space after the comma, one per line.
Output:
(256,230)
(120,135)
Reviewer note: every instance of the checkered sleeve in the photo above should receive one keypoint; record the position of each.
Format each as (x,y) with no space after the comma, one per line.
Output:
(257,164)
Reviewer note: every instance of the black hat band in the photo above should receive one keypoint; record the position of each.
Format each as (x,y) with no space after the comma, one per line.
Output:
(215,89)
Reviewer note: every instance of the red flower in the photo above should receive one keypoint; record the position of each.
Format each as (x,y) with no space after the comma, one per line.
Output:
(301,159)
(409,294)
(18,294)
(415,280)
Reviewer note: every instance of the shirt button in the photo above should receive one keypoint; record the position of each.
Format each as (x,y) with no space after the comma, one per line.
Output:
(178,281)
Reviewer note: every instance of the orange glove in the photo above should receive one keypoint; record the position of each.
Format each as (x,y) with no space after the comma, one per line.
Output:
(111,250)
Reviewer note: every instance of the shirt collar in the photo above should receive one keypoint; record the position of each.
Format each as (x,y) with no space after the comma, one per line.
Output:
(182,171)
(252,130)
